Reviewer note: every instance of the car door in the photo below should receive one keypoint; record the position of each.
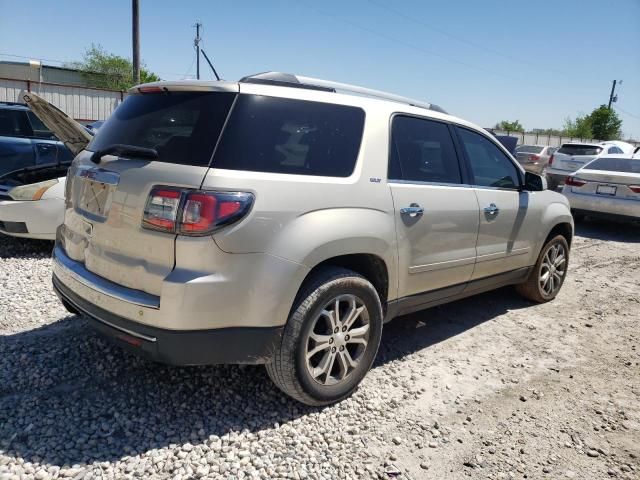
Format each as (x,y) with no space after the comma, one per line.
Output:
(436,214)
(45,143)
(16,149)
(504,236)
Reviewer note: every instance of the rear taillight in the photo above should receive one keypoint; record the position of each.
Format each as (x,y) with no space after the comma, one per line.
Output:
(194,212)
(161,210)
(534,158)
(574,182)
(634,188)
(551,159)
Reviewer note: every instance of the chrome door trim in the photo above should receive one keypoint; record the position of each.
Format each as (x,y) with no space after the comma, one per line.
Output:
(441,265)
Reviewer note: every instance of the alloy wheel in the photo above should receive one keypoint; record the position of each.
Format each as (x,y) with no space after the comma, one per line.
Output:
(337,340)
(553,269)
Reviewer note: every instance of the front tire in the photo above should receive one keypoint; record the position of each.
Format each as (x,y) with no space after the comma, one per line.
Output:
(331,338)
(547,277)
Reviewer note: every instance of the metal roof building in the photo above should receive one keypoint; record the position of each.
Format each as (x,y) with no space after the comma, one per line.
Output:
(66,88)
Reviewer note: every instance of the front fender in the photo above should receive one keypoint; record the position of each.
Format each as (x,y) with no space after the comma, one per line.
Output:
(555,213)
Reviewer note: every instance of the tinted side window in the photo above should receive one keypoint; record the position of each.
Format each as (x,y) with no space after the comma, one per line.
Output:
(279,135)
(489,165)
(422,151)
(13,123)
(39,129)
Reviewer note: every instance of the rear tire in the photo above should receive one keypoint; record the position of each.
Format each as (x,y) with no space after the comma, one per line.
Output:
(547,277)
(323,356)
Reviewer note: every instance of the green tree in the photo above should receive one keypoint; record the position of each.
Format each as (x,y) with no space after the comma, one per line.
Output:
(514,126)
(605,124)
(102,69)
(579,128)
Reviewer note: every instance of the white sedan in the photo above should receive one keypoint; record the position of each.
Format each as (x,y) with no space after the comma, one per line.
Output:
(607,187)
(32,199)
(33,210)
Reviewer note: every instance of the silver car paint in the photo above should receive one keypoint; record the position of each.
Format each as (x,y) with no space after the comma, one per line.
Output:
(249,273)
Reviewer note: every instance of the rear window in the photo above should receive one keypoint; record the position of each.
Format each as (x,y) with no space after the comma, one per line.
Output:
(580,150)
(182,127)
(277,135)
(627,165)
(529,149)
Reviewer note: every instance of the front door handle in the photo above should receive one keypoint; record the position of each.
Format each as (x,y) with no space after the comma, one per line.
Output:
(413,210)
(491,209)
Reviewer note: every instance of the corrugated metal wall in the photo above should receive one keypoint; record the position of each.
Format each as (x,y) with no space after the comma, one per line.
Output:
(81,103)
(550,140)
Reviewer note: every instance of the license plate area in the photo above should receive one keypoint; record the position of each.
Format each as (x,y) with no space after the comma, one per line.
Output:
(606,190)
(95,192)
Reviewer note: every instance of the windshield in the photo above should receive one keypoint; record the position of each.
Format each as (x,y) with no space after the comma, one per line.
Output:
(183,127)
(612,164)
(580,149)
(529,149)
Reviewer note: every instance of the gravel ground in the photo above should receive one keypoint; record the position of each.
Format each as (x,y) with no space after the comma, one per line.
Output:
(487,387)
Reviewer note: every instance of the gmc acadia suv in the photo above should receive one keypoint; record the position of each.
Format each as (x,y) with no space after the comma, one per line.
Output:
(277,221)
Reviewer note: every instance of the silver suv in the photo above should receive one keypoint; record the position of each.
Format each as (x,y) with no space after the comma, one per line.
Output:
(281,220)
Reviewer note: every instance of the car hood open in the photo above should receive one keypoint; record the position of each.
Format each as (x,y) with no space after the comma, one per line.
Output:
(70,132)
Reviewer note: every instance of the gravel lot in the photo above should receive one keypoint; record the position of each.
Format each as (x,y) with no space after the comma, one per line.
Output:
(487,387)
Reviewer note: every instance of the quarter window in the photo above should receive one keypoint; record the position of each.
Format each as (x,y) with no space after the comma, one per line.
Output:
(422,151)
(280,135)
(490,167)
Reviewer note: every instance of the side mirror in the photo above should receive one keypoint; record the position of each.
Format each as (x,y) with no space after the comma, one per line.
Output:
(534,183)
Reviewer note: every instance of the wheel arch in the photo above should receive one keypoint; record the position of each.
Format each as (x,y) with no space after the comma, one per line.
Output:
(370,266)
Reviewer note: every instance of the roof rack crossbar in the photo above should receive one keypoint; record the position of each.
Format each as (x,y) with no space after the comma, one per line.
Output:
(298,81)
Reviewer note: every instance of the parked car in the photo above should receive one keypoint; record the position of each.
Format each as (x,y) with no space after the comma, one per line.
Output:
(534,158)
(25,141)
(32,196)
(94,126)
(253,222)
(572,156)
(607,187)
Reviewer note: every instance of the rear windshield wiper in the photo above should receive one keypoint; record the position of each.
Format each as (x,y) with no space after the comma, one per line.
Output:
(121,149)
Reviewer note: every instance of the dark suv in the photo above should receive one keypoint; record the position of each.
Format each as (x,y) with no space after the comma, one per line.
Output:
(25,141)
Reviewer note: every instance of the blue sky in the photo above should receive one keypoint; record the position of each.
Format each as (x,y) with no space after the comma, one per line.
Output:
(536,61)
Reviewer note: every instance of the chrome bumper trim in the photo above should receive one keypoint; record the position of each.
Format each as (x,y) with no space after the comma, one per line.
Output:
(65,266)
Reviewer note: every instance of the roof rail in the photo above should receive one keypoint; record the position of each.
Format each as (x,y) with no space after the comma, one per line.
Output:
(297,81)
(13,104)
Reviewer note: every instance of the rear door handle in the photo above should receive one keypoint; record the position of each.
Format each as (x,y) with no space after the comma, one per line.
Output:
(491,209)
(413,210)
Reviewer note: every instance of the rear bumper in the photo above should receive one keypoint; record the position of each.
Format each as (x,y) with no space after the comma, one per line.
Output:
(253,345)
(602,206)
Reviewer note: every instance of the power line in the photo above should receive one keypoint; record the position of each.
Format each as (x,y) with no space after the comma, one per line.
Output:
(451,35)
(415,47)
(626,113)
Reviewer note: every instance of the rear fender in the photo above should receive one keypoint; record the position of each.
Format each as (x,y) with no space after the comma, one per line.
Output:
(320,235)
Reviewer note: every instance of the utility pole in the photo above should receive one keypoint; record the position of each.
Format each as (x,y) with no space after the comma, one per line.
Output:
(613,97)
(196,42)
(135,30)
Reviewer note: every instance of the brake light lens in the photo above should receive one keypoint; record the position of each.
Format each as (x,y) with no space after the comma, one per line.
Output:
(634,188)
(194,212)
(534,158)
(150,89)
(161,210)
(551,159)
(574,182)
